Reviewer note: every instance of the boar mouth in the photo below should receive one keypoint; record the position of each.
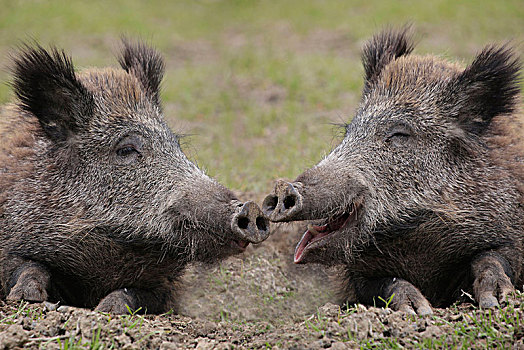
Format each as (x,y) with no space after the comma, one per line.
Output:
(239,244)
(316,234)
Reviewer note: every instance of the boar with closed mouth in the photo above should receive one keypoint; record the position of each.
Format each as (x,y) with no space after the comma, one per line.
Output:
(99,207)
(423,198)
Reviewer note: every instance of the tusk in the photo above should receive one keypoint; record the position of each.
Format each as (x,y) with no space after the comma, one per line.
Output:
(351,208)
(311,228)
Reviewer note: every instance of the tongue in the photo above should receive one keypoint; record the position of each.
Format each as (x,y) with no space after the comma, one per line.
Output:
(301,246)
(315,233)
(312,234)
(243,244)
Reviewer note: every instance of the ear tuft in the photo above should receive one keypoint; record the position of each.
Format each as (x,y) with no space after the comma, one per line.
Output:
(145,63)
(383,48)
(487,88)
(46,85)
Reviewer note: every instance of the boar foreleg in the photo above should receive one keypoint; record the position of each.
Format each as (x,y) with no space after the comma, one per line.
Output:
(492,282)
(399,294)
(125,300)
(29,281)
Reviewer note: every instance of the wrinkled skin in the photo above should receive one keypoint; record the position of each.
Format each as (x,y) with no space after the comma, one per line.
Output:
(99,206)
(422,199)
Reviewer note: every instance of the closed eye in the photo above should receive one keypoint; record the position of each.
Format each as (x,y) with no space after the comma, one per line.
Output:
(397,134)
(126,150)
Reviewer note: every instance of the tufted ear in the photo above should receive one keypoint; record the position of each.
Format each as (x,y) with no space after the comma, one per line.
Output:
(383,48)
(486,88)
(46,85)
(145,63)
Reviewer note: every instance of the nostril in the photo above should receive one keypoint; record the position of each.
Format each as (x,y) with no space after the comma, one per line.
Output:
(270,203)
(243,222)
(289,202)
(261,223)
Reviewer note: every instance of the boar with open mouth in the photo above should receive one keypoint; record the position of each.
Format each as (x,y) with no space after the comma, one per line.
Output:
(423,198)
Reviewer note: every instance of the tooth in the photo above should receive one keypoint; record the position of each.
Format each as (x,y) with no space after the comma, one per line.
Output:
(312,229)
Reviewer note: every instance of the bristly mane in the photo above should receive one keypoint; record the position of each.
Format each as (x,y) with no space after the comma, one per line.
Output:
(506,143)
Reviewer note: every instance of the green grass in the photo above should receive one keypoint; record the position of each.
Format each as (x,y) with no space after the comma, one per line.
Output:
(24,309)
(258,84)
(75,343)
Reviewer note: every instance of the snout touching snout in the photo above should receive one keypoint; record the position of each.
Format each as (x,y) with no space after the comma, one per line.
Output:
(284,203)
(251,225)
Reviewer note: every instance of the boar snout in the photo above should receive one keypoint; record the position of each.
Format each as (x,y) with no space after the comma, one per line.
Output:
(250,223)
(283,203)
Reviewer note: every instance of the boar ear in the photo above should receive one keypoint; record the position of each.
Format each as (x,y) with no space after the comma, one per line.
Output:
(383,48)
(145,63)
(46,85)
(486,88)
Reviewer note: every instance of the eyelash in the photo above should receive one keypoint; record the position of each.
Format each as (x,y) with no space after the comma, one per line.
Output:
(126,151)
(398,134)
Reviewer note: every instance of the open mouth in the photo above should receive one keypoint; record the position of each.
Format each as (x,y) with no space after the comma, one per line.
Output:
(239,244)
(317,233)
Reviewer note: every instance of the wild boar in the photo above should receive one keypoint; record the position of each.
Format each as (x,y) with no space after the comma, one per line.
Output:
(99,206)
(423,198)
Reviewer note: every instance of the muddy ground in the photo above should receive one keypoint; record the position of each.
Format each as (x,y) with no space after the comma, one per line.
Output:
(261,300)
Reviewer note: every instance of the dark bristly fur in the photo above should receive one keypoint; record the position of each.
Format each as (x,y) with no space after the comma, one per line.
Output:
(99,207)
(46,85)
(487,88)
(149,69)
(382,49)
(434,163)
